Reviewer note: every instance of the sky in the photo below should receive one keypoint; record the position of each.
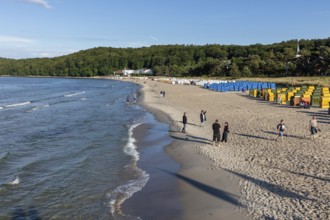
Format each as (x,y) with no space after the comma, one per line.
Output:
(51,28)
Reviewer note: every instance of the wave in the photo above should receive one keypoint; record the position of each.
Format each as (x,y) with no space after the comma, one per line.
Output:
(38,107)
(4,156)
(4,187)
(130,147)
(16,181)
(39,101)
(123,192)
(74,94)
(17,104)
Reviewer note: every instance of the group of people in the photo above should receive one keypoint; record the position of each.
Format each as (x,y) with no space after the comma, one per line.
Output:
(216,127)
(216,132)
(312,128)
(304,104)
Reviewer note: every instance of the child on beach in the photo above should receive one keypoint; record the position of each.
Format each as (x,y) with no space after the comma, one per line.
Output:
(281,128)
(313,127)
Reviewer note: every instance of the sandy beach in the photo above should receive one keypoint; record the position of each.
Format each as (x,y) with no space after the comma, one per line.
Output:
(252,176)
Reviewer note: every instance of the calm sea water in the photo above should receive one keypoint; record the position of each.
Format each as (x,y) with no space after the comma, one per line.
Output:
(66,148)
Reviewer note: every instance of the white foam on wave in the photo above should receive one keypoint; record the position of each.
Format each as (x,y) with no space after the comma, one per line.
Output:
(1,107)
(130,147)
(16,181)
(17,104)
(121,193)
(38,107)
(74,94)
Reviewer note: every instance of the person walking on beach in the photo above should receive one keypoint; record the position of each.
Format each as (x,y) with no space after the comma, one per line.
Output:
(201,116)
(134,97)
(225,132)
(204,114)
(216,132)
(184,122)
(313,127)
(281,128)
(279,99)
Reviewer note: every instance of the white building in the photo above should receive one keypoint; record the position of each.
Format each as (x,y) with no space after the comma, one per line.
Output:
(127,72)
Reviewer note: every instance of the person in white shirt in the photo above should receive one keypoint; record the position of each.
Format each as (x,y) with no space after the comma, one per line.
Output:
(313,127)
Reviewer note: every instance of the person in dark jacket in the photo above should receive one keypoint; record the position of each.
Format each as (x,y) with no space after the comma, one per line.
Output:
(216,131)
(201,116)
(184,121)
(225,132)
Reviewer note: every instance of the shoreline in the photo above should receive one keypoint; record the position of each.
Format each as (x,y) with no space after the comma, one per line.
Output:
(203,193)
(159,198)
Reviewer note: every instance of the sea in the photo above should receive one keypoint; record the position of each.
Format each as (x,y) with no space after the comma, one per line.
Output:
(68,149)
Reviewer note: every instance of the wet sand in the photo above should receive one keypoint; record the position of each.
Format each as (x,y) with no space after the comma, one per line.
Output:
(159,199)
(202,193)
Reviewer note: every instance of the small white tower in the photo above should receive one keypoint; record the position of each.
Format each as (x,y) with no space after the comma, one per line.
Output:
(298,50)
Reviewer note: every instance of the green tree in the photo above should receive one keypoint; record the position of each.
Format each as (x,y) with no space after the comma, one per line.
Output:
(234,70)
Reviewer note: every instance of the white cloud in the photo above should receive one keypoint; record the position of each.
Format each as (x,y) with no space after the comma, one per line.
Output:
(42,3)
(12,39)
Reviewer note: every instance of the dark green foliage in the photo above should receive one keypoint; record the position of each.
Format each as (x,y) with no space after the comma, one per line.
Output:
(184,60)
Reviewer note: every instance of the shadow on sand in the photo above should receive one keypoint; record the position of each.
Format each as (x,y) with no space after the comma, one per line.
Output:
(218,193)
(286,135)
(300,174)
(199,138)
(254,136)
(191,139)
(273,188)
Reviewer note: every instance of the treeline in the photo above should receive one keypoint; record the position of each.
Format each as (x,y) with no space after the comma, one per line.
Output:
(277,59)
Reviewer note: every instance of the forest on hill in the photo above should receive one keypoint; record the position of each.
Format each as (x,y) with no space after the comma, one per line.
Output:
(274,60)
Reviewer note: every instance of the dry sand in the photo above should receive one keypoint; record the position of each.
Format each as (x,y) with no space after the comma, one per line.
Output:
(275,180)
